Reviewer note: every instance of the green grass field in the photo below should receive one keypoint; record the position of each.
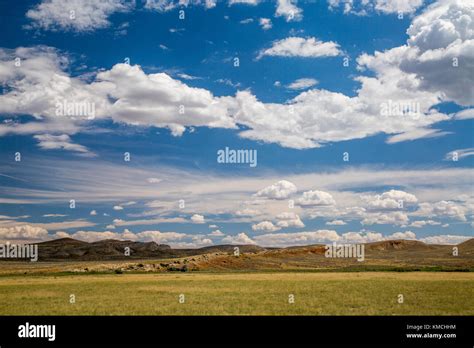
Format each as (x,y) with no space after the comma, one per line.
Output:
(370,293)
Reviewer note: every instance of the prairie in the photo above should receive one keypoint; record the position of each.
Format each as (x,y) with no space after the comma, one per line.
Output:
(243,293)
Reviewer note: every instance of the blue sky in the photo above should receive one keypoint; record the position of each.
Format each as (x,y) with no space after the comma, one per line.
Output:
(311,82)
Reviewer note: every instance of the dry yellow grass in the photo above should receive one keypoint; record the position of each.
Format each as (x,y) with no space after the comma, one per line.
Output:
(240,294)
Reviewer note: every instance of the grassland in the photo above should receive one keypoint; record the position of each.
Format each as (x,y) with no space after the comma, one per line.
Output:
(367,293)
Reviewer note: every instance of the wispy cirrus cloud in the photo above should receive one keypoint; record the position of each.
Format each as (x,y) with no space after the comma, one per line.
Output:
(459,154)
(61,142)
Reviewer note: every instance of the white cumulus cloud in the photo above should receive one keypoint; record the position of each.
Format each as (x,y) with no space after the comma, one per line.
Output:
(315,198)
(279,190)
(265,226)
(289,10)
(303,83)
(301,47)
(240,238)
(76,15)
(198,219)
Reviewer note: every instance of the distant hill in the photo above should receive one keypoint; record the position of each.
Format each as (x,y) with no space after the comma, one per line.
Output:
(384,255)
(110,249)
(399,244)
(467,247)
(72,255)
